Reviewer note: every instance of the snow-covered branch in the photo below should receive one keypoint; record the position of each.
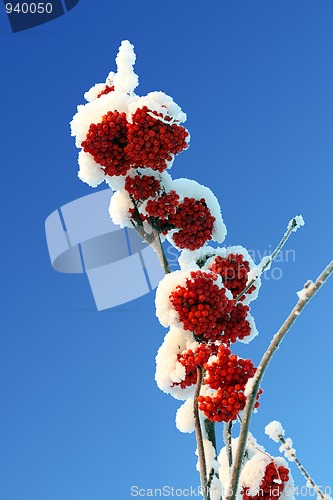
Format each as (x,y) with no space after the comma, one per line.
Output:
(308,292)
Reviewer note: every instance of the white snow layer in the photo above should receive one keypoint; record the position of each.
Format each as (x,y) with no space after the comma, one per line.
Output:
(89,171)
(274,430)
(165,312)
(185,417)
(125,80)
(168,369)
(160,103)
(118,209)
(253,328)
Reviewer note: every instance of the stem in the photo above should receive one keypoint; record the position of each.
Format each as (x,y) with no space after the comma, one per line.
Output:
(303,471)
(157,246)
(309,292)
(211,436)
(154,240)
(227,441)
(198,432)
(292,226)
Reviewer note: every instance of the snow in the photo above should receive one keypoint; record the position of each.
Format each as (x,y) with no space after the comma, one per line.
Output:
(185,421)
(118,209)
(253,472)
(93,93)
(160,103)
(298,221)
(288,450)
(254,331)
(168,369)
(302,294)
(188,258)
(125,80)
(93,112)
(249,387)
(274,430)
(165,312)
(89,172)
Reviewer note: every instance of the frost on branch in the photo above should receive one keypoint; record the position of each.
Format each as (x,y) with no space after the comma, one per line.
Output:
(274,430)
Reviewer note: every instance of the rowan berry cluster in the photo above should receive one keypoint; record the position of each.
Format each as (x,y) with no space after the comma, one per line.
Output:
(272,485)
(106,142)
(234,270)
(142,187)
(117,145)
(191,360)
(196,223)
(151,141)
(228,375)
(204,308)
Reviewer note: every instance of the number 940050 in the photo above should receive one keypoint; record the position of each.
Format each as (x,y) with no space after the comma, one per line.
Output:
(29,8)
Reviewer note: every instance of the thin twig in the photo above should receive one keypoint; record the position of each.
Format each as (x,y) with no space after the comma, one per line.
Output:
(308,292)
(198,432)
(292,226)
(301,468)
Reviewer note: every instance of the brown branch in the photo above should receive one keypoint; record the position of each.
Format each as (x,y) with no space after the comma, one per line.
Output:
(307,293)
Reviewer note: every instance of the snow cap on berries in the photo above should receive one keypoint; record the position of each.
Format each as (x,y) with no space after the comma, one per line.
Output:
(185,417)
(125,80)
(169,372)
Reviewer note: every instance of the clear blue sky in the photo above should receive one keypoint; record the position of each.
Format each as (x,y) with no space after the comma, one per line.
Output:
(81,417)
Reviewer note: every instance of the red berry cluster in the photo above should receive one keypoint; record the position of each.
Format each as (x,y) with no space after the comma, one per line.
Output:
(142,187)
(234,270)
(147,142)
(228,375)
(164,206)
(236,326)
(191,360)
(107,90)
(106,142)
(205,310)
(269,489)
(196,223)
(228,369)
(151,142)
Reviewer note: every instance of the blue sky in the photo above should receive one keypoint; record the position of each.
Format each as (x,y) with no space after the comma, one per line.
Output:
(81,417)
